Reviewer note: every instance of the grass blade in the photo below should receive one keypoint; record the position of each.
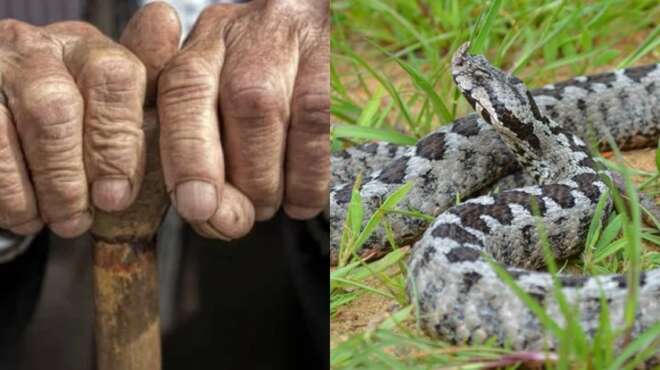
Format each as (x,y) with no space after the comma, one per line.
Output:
(651,43)
(389,203)
(478,45)
(371,133)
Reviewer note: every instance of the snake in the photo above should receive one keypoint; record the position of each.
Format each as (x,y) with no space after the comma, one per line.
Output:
(467,157)
(452,275)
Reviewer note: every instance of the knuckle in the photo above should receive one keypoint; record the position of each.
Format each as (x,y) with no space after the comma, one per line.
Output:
(253,101)
(308,156)
(260,187)
(114,87)
(184,75)
(113,77)
(113,114)
(25,39)
(181,146)
(117,153)
(14,26)
(61,186)
(55,156)
(115,63)
(74,26)
(51,102)
(51,145)
(312,113)
(184,137)
(187,88)
(309,178)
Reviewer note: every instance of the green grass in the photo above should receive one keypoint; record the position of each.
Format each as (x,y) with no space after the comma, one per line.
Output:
(540,41)
(390,81)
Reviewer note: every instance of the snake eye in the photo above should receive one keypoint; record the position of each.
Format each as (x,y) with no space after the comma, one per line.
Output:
(479,73)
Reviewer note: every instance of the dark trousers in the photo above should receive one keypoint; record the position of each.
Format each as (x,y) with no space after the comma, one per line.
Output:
(265,303)
(257,303)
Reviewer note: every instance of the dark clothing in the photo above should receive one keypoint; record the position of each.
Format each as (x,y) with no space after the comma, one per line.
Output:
(261,302)
(41,12)
(257,303)
(266,304)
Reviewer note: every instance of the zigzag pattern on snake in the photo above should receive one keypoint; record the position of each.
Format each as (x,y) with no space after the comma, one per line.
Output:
(459,295)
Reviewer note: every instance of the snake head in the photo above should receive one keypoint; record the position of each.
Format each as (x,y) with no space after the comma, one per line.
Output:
(500,98)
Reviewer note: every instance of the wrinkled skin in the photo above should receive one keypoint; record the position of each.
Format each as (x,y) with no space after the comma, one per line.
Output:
(71,116)
(70,126)
(244,114)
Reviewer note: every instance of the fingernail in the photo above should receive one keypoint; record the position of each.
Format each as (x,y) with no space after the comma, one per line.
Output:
(111,194)
(196,201)
(264,213)
(73,227)
(301,213)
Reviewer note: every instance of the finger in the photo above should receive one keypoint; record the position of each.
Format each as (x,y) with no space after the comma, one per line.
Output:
(255,101)
(308,139)
(233,219)
(190,140)
(153,35)
(18,205)
(48,108)
(112,82)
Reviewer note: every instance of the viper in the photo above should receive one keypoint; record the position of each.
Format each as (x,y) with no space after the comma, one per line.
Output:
(452,278)
(468,157)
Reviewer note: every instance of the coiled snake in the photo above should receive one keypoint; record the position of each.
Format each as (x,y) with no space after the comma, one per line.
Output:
(459,295)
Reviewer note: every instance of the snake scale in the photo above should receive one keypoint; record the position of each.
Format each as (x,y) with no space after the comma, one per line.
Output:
(459,296)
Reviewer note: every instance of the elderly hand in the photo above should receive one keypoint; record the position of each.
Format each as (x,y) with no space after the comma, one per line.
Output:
(70,124)
(248,94)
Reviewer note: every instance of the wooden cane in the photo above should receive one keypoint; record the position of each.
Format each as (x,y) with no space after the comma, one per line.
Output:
(127,324)
(125,276)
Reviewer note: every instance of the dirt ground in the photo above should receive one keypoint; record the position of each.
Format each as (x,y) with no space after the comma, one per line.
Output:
(359,315)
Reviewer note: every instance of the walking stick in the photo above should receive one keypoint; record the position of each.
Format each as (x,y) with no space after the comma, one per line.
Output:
(125,276)
(127,324)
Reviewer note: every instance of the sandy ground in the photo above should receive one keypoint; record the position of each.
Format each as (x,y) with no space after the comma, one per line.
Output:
(363,313)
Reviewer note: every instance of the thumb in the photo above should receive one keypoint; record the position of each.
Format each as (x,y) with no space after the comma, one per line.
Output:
(153,34)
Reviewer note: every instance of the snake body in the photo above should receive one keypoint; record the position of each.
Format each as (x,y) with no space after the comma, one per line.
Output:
(459,295)
(467,157)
